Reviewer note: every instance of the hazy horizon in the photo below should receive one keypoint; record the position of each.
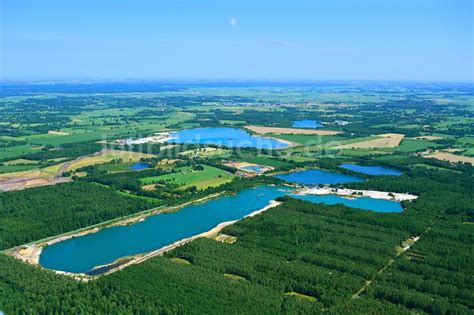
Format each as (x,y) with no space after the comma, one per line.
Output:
(340,40)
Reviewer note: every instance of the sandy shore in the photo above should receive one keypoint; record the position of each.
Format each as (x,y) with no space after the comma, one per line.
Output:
(296,131)
(355,192)
(287,142)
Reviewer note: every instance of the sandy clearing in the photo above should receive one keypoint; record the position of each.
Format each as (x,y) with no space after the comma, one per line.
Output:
(58,133)
(169,146)
(431,138)
(453,158)
(295,131)
(52,175)
(29,179)
(149,187)
(357,192)
(388,140)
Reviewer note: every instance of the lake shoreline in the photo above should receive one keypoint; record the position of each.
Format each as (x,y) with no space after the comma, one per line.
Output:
(356,193)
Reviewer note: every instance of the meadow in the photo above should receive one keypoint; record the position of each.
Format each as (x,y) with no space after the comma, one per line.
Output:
(186,177)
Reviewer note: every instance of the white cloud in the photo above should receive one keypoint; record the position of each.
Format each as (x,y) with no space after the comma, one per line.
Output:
(233,21)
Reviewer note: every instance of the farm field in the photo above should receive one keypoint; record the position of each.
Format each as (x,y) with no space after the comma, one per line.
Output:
(265,160)
(389,140)
(413,145)
(446,156)
(186,177)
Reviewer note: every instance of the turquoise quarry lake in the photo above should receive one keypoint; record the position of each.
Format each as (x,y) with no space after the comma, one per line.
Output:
(229,137)
(372,170)
(86,252)
(318,177)
(366,203)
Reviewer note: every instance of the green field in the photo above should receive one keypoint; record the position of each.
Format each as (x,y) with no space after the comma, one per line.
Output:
(15,152)
(16,168)
(412,145)
(265,160)
(186,177)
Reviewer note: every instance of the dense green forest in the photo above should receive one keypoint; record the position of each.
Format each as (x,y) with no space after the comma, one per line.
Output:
(36,213)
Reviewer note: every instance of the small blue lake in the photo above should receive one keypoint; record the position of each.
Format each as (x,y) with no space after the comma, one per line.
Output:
(139,166)
(82,254)
(366,203)
(253,168)
(229,137)
(372,170)
(318,177)
(307,123)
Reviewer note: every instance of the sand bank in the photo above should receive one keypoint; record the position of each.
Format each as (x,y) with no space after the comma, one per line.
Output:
(295,131)
(356,192)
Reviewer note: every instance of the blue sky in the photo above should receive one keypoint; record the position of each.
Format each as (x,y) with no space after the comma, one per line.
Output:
(230,39)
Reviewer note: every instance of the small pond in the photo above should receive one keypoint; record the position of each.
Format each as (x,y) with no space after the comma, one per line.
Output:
(318,177)
(307,123)
(372,170)
(139,166)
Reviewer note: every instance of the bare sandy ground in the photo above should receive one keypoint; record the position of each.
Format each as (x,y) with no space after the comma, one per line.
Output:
(431,138)
(40,177)
(387,140)
(58,133)
(453,158)
(28,253)
(53,174)
(295,131)
(355,192)
(28,179)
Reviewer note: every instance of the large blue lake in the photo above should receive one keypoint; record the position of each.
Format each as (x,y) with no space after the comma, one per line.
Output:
(372,170)
(83,253)
(366,203)
(229,137)
(318,177)
(307,123)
